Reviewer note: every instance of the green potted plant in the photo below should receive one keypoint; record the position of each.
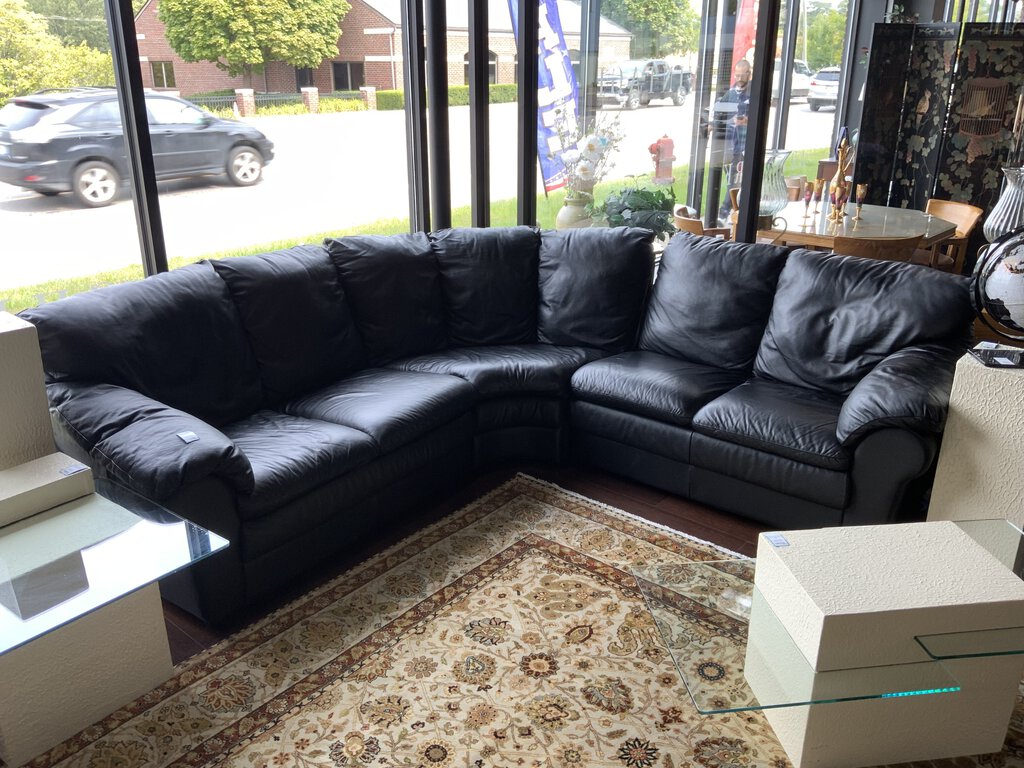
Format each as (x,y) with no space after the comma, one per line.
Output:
(639,205)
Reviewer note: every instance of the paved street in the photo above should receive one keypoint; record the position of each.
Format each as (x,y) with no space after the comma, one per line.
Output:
(330,171)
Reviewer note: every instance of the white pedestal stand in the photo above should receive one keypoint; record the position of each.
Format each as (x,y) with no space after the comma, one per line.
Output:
(979,468)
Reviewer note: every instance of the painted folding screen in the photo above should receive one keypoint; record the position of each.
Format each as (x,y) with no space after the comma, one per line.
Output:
(937,117)
(883,108)
(977,141)
(929,81)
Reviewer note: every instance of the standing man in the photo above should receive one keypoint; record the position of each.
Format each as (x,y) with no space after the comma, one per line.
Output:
(735,130)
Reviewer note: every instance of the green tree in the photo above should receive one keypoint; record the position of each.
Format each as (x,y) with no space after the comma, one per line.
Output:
(75,21)
(660,27)
(240,36)
(32,59)
(826,31)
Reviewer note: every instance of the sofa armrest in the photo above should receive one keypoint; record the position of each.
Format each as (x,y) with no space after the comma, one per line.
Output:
(909,388)
(134,439)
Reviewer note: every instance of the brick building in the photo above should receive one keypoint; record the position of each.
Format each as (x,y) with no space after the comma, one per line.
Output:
(369,51)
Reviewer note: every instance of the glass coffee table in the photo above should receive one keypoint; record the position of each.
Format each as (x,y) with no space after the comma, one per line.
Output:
(704,612)
(81,623)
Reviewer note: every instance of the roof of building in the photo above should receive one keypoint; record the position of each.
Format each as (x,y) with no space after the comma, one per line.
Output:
(498,17)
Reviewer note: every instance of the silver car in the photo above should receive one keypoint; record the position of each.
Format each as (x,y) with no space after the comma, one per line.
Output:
(824,89)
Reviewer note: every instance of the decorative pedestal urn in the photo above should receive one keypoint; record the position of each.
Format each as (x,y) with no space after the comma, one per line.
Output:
(1008,213)
(573,214)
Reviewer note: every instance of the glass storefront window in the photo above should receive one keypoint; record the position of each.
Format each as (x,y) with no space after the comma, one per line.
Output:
(58,239)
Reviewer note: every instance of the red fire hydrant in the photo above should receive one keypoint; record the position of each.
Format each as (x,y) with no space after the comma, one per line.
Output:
(663,153)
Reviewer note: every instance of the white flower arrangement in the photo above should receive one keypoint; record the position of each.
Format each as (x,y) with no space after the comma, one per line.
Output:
(586,157)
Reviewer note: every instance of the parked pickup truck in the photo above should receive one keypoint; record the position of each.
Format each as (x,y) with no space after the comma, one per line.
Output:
(633,84)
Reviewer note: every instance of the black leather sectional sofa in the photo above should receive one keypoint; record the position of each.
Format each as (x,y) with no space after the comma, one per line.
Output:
(334,388)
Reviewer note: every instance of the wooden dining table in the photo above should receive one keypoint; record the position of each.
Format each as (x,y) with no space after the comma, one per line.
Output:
(876,222)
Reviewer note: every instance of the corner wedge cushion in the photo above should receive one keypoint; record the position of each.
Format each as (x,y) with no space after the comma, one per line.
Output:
(909,389)
(489,281)
(711,300)
(175,337)
(296,316)
(394,286)
(593,286)
(836,317)
(136,440)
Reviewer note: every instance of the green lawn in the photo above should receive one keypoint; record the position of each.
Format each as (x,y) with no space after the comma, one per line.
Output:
(503,213)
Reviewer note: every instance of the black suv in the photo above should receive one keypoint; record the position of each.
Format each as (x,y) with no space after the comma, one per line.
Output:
(72,141)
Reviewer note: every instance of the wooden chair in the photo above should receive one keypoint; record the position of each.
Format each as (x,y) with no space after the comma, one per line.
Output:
(696,227)
(949,254)
(883,248)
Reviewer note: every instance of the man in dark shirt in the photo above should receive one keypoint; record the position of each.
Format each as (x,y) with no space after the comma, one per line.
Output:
(735,129)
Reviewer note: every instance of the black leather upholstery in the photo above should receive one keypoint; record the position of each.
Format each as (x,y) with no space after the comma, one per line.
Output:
(178,340)
(792,477)
(297,318)
(489,279)
(495,346)
(392,407)
(654,385)
(291,455)
(593,286)
(910,388)
(403,268)
(779,419)
(141,440)
(711,300)
(528,369)
(836,317)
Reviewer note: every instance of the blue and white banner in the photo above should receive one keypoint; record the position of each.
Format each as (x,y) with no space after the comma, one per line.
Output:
(557,91)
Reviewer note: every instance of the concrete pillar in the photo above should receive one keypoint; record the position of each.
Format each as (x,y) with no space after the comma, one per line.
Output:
(245,101)
(311,99)
(369,96)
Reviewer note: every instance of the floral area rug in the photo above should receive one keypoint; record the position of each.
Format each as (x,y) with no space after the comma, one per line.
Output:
(511,633)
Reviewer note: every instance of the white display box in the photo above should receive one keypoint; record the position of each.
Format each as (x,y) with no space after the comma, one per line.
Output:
(41,484)
(857,596)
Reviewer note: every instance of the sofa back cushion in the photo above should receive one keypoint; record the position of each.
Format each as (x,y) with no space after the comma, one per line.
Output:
(175,337)
(836,317)
(489,281)
(711,300)
(394,287)
(296,316)
(593,286)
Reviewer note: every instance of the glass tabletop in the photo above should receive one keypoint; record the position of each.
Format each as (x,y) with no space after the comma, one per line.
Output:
(876,221)
(703,612)
(66,562)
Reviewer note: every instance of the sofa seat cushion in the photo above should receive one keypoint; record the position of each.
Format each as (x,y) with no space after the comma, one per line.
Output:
(521,369)
(291,455)
(392,407)
(784,480)
(777,418)
(658,386)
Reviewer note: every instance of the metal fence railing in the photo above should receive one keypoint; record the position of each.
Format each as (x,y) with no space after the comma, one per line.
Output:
(224,101)
(273,99)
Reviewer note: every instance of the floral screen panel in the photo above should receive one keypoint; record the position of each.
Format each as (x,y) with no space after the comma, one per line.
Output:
(990,79)
(928,84)
(883,109)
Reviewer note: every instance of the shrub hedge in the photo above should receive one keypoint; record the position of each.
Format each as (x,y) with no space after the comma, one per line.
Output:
(458,96)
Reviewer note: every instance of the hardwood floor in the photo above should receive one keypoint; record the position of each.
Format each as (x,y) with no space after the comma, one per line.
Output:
(189,636)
